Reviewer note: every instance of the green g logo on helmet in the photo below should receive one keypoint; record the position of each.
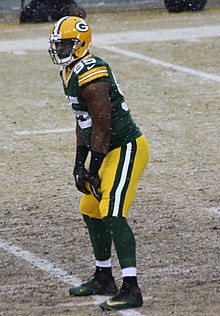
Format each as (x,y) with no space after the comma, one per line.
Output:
(82,26)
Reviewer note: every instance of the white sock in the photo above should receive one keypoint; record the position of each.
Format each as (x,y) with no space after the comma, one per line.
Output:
(129,272)
(104,264)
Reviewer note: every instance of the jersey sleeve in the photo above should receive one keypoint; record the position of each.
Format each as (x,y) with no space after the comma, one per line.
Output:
(93,70)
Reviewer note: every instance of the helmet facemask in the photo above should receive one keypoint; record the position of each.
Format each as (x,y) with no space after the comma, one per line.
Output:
(64,51)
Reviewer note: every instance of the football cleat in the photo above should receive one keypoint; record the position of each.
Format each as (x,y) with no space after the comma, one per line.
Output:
(101,284)
(127,297)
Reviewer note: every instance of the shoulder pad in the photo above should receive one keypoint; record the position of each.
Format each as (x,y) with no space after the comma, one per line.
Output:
(89,69)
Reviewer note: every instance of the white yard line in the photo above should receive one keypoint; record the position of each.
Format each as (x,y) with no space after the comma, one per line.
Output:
(214,210)
(45,131)
(158,62)
(40,263)
(57,273)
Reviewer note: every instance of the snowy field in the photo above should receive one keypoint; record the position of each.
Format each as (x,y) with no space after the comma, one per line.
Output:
(168,67)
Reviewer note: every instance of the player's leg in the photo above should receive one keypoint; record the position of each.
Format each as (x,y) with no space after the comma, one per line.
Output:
(103,282)
(130,164)
(114,203)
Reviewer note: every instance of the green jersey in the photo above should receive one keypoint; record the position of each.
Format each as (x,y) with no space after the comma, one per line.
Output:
(89,70)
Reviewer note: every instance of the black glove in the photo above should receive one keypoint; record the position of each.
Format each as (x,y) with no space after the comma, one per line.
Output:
(94,180)
(81,176)
(94,183)
(81,155)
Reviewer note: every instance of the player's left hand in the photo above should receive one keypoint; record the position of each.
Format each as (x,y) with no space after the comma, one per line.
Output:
(81,176)
(94,183)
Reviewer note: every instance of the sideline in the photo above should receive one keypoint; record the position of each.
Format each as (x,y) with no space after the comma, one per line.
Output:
(56,273)
(157,35)
(127,37)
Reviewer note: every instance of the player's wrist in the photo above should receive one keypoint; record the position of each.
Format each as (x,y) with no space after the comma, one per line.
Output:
(96,162)
(81,155)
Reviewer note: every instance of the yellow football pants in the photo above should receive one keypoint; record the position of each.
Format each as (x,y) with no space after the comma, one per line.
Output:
(119,173)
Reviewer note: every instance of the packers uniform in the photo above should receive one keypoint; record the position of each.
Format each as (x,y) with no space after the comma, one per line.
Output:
(128,151)
(119,170)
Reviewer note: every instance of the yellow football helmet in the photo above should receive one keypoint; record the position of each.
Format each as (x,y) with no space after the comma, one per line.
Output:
(70,40)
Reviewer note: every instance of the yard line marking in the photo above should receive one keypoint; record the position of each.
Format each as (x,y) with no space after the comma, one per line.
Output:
(131,312)
(40,263)
(55,272)
(214,210)
(158,62)
(74,304)
(45,131)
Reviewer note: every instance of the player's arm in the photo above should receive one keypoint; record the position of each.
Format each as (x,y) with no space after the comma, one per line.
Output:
(96,96)
(79,138)
(80,173)
(81,149)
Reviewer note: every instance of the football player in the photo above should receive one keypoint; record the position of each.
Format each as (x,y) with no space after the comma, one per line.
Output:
(118,155)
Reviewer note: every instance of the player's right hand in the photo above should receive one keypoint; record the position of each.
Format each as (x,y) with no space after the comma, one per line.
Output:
(81,176)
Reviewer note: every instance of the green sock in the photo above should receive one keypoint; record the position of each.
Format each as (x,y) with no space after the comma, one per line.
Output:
(100,236)
(124,240)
